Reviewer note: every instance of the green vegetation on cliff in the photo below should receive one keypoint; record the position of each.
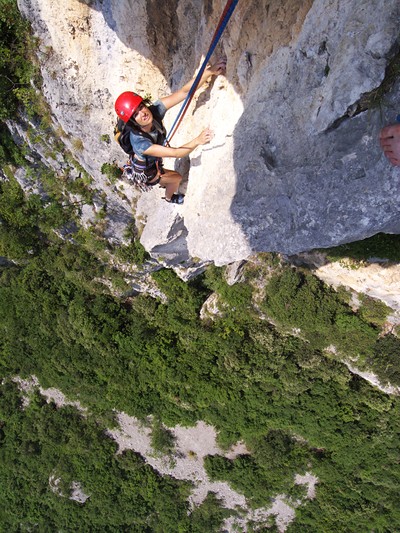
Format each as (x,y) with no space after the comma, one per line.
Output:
(45,452)
(17,63)
(295,404)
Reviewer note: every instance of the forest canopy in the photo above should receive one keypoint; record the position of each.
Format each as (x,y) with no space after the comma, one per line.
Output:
(295,405)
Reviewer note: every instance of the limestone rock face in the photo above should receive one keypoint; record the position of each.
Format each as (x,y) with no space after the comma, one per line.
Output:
(294,164)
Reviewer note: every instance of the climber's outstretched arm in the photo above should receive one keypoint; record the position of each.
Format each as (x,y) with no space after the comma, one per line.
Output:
(211,70)
(167,151)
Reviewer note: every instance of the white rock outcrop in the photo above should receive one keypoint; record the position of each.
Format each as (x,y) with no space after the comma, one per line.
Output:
(294,164)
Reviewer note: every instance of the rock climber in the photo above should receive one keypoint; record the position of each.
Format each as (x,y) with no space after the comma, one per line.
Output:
(147,135)
(390,143)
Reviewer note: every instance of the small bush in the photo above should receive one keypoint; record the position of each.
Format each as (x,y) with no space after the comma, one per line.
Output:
(373,311)
(77,145)
(134,253)
(162,439)
(113,172)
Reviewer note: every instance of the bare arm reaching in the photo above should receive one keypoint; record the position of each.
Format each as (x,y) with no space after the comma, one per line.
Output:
(212,70)
(165,151)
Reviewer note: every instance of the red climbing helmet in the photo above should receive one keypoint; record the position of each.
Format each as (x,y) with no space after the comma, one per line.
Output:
(126,104)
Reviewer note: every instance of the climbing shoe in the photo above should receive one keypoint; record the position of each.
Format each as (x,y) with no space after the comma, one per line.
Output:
(176,198)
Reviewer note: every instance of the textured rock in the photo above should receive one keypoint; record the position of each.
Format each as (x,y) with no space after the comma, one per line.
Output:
(319,180)
(295,163)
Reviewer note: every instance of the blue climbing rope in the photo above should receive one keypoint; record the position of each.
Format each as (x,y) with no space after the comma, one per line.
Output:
(226,15)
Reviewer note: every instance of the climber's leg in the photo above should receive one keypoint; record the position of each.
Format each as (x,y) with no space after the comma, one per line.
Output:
(171,180)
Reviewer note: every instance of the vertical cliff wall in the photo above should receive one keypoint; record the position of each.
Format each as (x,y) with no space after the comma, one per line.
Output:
(294,163)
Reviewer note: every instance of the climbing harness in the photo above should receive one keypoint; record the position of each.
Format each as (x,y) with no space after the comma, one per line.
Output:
(223,21)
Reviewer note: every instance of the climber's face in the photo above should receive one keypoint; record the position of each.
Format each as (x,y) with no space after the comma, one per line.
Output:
(143,116)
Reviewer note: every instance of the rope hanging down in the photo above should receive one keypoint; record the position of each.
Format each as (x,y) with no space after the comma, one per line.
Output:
(223,21)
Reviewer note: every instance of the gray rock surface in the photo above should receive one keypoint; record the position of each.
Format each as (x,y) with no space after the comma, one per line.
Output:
(294,164)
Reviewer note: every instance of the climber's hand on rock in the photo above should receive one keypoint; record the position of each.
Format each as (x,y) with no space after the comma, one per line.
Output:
(205,136)
(390,143)
(217,68)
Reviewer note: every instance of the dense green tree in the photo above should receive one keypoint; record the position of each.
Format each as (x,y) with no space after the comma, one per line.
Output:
(385,360)
(17,65)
